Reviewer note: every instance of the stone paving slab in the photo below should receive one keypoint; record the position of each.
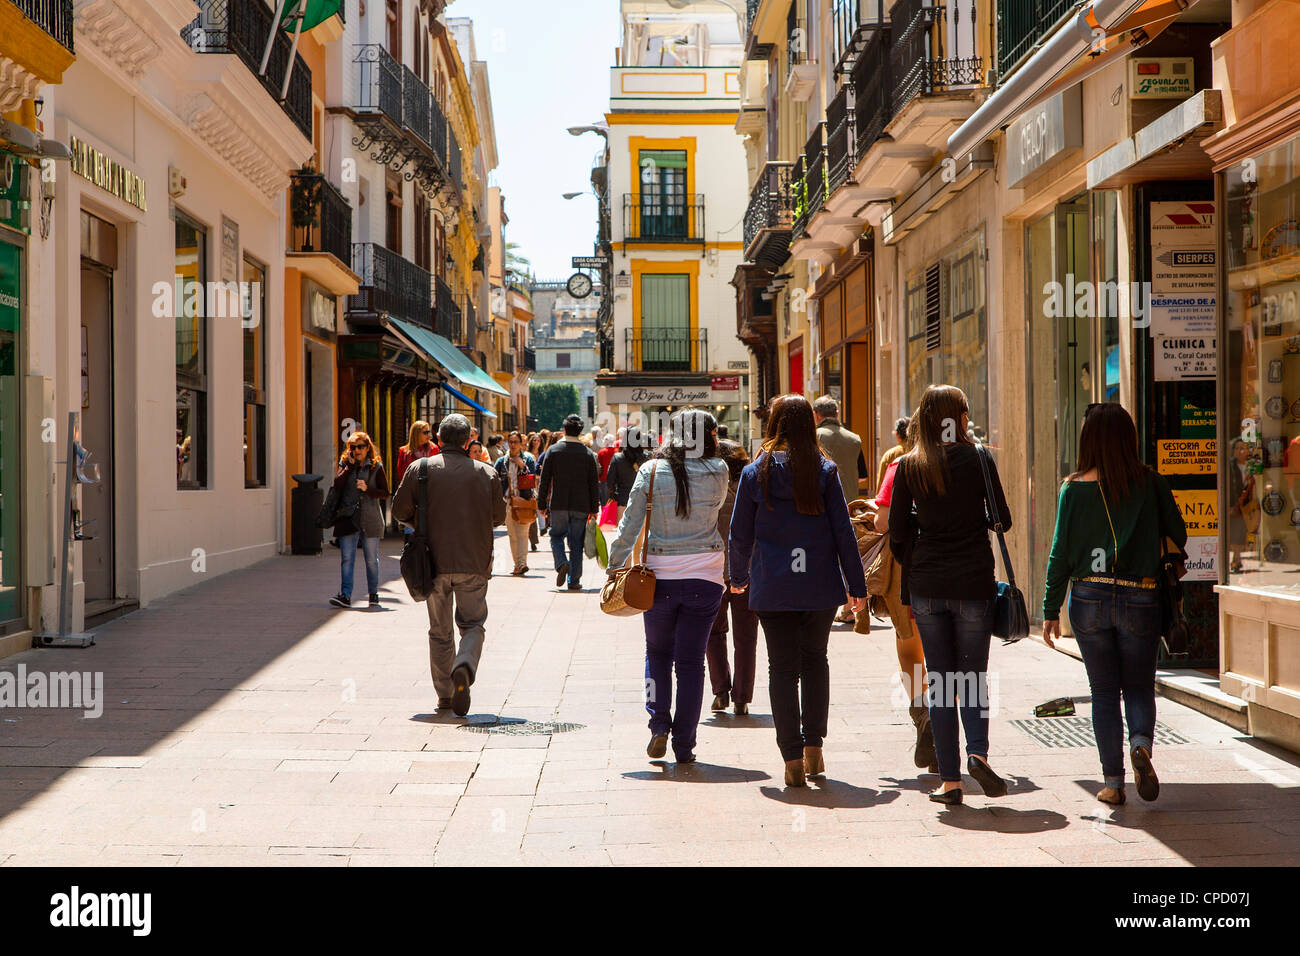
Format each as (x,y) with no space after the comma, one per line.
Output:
(247,723)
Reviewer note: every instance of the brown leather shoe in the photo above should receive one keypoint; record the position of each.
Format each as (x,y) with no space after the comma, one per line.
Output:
(794,773)
(812,761)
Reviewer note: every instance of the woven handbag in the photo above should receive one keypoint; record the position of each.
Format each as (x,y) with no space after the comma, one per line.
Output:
(631,589)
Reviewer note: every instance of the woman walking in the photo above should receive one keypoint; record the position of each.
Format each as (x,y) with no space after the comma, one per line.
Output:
(360,483)
(744,622)
(623,467)
(793,547)
(535,449)
(518,472)
(948,578)
(419,445)
(688,481)
(1111,517)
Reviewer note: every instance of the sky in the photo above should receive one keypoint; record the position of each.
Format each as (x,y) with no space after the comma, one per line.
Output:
(548,68)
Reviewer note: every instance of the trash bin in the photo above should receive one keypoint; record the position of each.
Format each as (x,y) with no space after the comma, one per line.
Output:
(306,501)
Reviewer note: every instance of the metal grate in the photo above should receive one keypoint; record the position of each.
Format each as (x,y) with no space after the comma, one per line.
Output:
(517,726)
(1077,732)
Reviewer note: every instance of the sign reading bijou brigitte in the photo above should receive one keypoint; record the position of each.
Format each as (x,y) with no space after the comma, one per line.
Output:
(702,394)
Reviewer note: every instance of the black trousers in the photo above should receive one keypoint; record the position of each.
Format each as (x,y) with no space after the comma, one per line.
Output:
(798,676)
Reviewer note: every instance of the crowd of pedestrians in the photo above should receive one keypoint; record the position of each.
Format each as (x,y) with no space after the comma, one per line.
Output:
(790,543)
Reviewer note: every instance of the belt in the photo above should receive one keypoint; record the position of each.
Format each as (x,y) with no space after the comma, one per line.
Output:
(1147,584)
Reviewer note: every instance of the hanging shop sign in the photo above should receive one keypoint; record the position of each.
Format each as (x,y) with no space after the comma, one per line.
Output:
(1183,304)
(14,205)
(1186,456)
(1044,133)
(229,250)
(108,174)
(726,383)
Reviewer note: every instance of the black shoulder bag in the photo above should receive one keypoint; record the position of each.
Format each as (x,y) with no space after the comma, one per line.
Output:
(417,554)
(1169,586)
(1010,615)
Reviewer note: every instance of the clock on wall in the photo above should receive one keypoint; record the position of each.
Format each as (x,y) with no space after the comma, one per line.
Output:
(579,285)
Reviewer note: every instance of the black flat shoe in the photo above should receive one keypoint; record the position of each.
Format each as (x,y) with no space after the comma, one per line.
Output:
(721,701)
(561,574)
(1148,784)
(990,782)
(658,746)
(950,798)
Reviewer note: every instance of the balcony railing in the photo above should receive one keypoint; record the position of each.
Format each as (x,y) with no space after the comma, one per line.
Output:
(52,16)
(663,217)
(771,209)
(322,218)
(241,27)
(873,97)
(925,57)
(796,30)
(810,186)
(447,317)
(529,359)
(390,284)
(841,138)
(667,350)
(1021,24)
(506,362)
(380,82)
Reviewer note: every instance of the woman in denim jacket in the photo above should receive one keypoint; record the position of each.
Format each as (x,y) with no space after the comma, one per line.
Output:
(685,551)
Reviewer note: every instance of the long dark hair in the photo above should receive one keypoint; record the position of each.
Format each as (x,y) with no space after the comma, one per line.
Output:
(693,434)
(792,429)
(936,421)
(734,454)
(634,446)
(1108,442)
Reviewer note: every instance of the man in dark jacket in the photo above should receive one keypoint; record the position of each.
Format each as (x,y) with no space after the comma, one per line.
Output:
(570,497)
(462,503)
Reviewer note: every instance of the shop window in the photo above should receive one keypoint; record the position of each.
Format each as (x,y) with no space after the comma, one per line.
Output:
(191,254)
(254,398)
(1261,456)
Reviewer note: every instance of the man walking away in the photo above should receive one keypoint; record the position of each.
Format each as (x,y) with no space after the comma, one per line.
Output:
(460,535)
(569,497)
(845,449)
(893,454)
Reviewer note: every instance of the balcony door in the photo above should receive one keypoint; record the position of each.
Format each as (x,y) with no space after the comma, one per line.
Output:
(665,342)
(663,207)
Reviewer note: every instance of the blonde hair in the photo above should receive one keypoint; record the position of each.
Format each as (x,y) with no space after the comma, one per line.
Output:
(418,428)
(356,439)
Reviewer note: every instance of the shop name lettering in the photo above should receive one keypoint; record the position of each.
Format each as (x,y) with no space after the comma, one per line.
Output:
(185,297)
(1087,300)
(108,174)
(641,395)
(9,301)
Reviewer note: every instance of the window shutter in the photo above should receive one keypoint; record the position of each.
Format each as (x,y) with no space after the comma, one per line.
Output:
(933,307)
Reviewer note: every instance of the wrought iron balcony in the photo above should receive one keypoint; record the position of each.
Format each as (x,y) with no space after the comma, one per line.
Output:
(528,358)
(841,138)
(400,122)
(241,27)
(809,184)
(390,284)
(1022,24)
(925,56)
(770,215)
(667,350)
(506,362)
(52,16)
(663,217)
(872,93)
(448,320)
(322,218)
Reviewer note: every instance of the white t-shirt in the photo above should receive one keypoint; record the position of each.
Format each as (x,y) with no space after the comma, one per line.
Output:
(703,566)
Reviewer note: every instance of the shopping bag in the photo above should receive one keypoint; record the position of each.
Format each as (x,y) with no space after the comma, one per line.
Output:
(589,542)
(609,514)
(602,550)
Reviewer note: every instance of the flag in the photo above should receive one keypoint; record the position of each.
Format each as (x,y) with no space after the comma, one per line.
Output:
(313,13)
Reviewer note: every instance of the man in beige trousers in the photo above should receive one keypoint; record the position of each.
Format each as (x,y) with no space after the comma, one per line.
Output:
(845,449)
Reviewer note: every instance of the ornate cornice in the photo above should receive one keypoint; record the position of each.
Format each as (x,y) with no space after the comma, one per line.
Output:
(213,124)
(17,83)
(127,40)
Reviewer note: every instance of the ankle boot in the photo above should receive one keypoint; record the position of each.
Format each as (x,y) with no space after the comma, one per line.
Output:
(794,773)
(923,753)
(812,761)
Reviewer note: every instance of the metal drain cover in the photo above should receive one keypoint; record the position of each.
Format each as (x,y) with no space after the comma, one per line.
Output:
(1077,732)
(518,726)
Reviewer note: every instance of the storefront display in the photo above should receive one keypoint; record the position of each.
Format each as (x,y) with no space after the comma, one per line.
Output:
(11,298)
(1262,288)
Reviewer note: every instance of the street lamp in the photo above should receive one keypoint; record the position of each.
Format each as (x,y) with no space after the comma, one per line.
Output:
(600,128)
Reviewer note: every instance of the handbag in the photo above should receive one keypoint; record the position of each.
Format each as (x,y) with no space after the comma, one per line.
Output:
(1169,588)
(1010,613)
(631,589)
(523,510)
(417,564)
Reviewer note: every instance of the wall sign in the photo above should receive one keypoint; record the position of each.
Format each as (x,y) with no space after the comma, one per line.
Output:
(1160,77)
(321,310)
(1199,507)
(108,174)
(1186,456)
(1183,304)
(229,250)
(685,394)
(1044,133)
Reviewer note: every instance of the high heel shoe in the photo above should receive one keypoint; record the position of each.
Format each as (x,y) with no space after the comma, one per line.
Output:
(950,798)
(990,782)
(794,773)
(812,761)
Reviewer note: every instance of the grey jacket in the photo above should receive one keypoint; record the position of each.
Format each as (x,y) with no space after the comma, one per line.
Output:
(368,517)
(669,533)
(464,503)
(844,448)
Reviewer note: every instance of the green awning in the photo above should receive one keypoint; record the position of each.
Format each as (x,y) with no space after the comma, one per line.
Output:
(442,352)
(313,13)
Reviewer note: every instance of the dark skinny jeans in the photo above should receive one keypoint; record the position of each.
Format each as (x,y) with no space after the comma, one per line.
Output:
(798,677)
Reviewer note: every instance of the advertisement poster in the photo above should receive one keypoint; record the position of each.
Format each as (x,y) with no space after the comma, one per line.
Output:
(1202,558)
(1185,456)
(1182,304)
(1199,507)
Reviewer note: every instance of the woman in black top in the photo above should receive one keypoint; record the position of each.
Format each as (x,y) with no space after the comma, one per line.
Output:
(623,468)
(948,578)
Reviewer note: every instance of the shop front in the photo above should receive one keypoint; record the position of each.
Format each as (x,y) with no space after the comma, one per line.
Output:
(652,405)
(12,244)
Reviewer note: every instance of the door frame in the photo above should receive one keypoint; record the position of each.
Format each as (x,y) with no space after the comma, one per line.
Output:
(109,458)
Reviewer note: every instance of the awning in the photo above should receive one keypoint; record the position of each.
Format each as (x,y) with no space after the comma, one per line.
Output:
(1096,36)
(468,401)
(1169,148)
(442,352)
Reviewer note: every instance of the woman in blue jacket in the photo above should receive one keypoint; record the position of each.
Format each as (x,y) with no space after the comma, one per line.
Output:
(793,546)
(685,551)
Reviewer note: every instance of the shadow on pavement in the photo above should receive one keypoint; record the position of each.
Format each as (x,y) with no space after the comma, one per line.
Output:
(999,819)
(830,794)
(697,772)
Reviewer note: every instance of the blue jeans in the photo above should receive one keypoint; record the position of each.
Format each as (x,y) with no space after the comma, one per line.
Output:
(1118,631)
(570,527)
(955,635)
(676,635)
(348,546)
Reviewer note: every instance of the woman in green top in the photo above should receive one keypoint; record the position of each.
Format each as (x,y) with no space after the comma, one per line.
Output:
(1110,518)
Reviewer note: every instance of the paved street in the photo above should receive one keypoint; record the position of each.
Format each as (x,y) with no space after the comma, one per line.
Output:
(245,722)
